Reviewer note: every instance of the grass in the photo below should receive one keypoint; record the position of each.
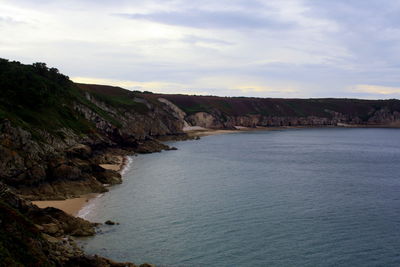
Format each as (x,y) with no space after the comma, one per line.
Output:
(122,102)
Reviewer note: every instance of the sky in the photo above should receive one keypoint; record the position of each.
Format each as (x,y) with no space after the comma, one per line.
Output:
(274,48)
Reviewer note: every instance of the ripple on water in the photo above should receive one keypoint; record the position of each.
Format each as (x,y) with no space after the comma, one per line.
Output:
(313,197)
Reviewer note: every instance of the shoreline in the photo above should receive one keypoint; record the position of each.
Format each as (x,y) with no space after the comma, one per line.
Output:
(210,131)
(74,206)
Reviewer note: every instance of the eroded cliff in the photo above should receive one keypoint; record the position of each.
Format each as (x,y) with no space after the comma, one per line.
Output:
(228,112)
(53,151)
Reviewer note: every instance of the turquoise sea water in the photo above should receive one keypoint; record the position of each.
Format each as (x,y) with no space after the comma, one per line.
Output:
(310,197)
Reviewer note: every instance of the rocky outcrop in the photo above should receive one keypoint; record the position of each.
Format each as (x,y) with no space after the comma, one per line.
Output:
(30,236)
(46,165)
(177,112)
(206,120)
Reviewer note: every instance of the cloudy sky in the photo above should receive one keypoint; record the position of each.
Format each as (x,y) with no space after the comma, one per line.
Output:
(270,48)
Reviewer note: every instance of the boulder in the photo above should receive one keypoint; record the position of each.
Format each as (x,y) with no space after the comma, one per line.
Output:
(66,172)
(105,176)
(80,151)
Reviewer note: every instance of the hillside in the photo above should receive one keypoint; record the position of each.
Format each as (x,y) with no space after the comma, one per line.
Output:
(47,122)
(228,112)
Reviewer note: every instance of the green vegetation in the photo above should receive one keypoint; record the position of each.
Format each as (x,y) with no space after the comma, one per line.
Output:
(242,106)
(121,102)
(38,97)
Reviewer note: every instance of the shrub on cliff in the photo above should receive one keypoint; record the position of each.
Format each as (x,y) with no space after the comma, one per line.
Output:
(33,86)
(37,97)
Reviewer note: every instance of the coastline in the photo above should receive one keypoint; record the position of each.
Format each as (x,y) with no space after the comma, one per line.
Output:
(75,206)
(208,131)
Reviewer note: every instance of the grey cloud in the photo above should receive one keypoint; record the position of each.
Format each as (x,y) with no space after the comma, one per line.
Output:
(211,19)
(368,28)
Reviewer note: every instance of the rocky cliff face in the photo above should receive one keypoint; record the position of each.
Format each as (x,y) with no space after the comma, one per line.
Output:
(382,117)
(222,112)
(47,165)
(30,236)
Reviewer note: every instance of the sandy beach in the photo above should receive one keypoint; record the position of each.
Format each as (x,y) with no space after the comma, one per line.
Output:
(205,131)
(72,206)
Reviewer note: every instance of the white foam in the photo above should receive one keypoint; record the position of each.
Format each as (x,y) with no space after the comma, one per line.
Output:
(127,165)
(85,211)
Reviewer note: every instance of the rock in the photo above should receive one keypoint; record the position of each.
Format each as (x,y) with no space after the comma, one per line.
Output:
(146,265)
(109,222)
(59,190)
(39,227)
(109,177)
(52,229)
(95,261)
(66,172)
(50,238)
(57,223)
(150,146)
(80,151)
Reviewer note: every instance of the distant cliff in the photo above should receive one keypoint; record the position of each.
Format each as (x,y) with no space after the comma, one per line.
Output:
(228,112)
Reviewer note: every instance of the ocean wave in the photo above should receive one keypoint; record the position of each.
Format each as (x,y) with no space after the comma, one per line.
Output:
(86,210)
(128,163)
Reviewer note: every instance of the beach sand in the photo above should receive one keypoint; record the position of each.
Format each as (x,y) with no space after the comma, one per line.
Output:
(206,132)
(72,206)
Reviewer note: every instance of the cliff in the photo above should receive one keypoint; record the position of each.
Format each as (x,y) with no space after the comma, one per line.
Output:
(55,134)
(53,137)
(30,236)
(228,112)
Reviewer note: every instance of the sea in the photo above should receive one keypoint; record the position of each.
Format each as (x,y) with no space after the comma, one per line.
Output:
(297,197)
